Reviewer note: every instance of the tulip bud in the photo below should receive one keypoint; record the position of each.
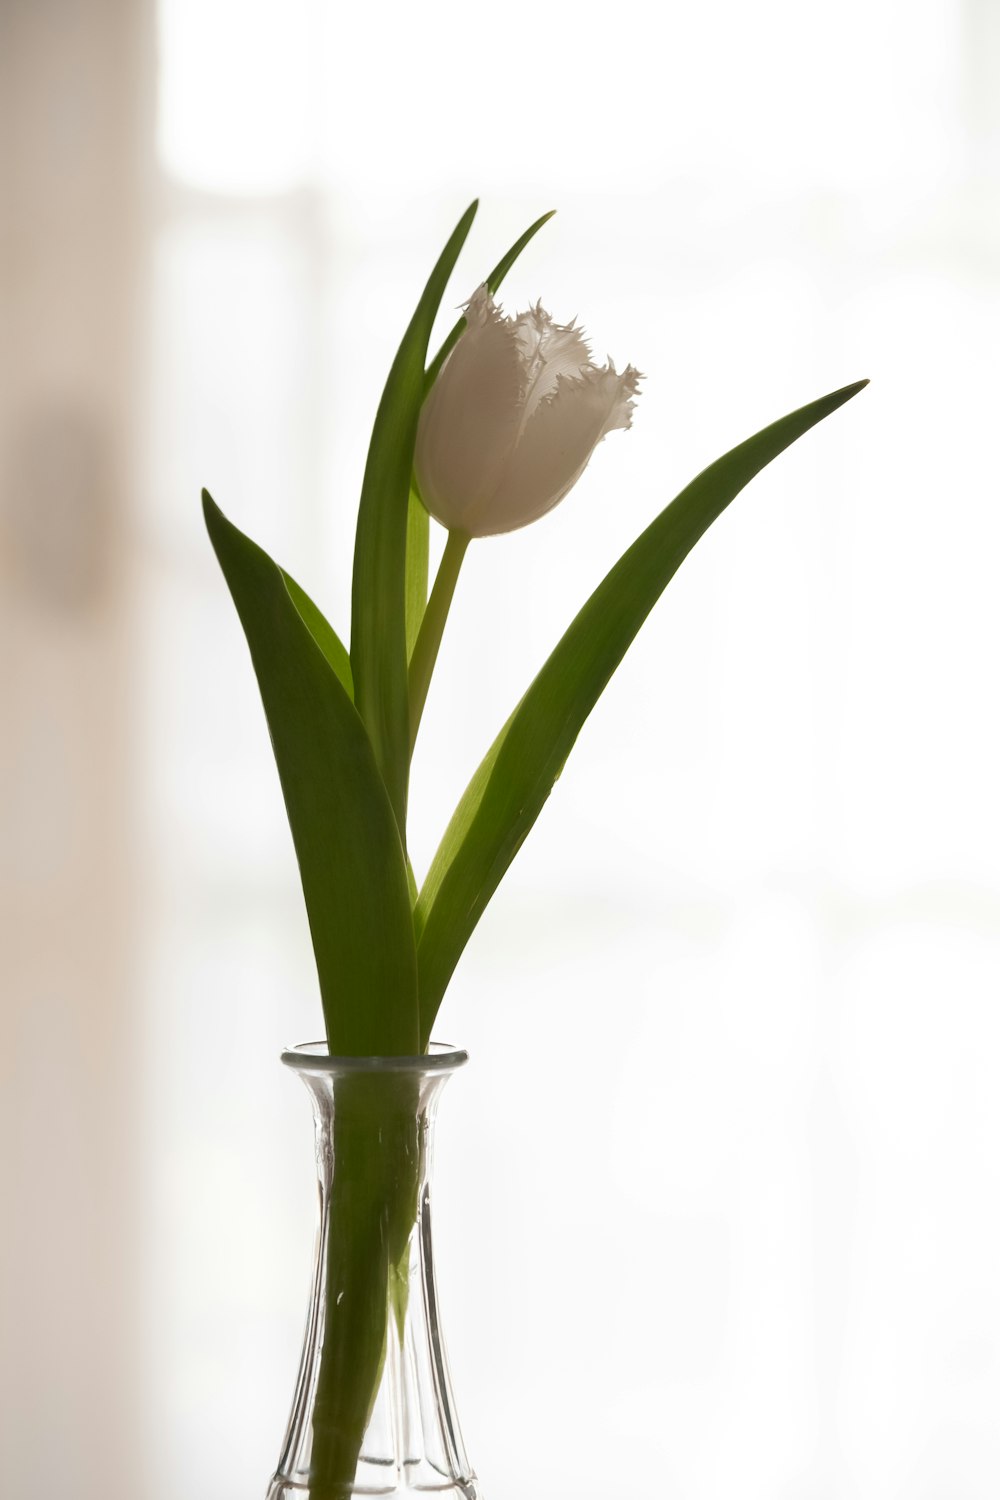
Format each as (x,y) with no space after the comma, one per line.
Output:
(512,419)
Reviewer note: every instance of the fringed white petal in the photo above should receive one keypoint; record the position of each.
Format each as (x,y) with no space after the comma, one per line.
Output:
(548,350)
(555,446)
(469,421)
(481,308)
(622,391)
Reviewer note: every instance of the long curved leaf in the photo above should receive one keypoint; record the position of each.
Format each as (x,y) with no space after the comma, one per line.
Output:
(418,552)
(378,614)
(349,851)
(511,785)
(323,633)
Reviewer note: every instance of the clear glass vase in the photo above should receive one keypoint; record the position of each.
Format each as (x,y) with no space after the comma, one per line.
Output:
(373,1412)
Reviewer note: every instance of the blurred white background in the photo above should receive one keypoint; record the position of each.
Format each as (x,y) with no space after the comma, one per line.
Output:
(717,1199)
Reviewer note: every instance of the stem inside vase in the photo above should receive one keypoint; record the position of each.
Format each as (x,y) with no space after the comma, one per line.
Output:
(373,1410)
(372,1210)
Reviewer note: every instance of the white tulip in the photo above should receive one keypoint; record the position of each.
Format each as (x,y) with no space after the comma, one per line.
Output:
(512,419)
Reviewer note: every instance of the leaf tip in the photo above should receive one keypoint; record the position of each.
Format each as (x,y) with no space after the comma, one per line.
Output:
(845,393)
(221,531)
(209,508)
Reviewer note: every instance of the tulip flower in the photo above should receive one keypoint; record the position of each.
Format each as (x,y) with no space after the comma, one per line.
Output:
(505,433)
(512,419)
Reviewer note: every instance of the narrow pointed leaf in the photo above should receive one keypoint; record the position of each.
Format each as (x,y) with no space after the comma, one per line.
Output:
(378,620)
(348,846)
(323,633)
(493,281)
(418,538)
(509,789)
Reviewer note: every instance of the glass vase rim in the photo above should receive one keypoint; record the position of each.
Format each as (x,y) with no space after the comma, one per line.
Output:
(313,1057)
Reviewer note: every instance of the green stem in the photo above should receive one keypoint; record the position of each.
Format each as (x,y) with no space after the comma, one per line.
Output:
(432,627)
(371,1213)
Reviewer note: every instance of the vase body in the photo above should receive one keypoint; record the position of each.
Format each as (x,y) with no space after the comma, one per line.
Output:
(373,1412)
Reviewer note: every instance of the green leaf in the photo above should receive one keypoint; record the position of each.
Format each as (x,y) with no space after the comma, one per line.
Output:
(493,281)
(378,617)
(323,633)
(348,846)
(507,792)
(418,538)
